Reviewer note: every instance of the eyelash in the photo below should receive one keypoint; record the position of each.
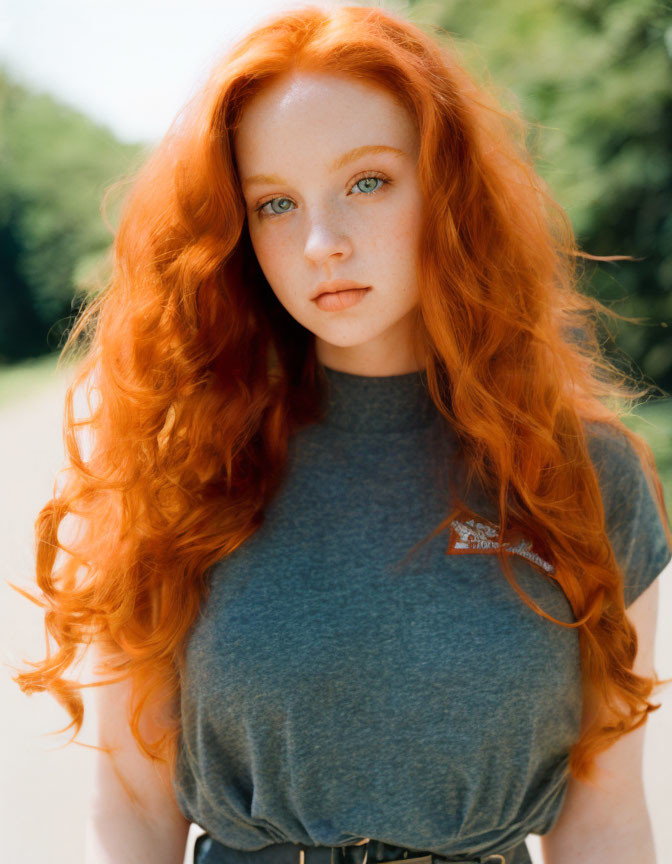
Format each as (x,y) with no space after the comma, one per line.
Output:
(364,176)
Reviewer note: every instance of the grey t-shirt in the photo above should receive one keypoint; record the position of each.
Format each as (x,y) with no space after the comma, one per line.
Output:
(330,693)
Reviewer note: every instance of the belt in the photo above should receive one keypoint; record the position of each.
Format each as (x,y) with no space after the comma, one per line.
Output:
(207,850)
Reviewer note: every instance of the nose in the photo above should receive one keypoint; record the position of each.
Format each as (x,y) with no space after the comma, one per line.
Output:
(326,239)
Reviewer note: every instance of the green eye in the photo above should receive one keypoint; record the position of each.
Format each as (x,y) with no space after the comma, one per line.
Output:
(364,179)
(259,208)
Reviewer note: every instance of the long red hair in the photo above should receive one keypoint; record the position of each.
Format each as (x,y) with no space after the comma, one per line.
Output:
(200,376)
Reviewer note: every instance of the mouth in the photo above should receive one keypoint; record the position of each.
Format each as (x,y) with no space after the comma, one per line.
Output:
(336,286)
(336,301)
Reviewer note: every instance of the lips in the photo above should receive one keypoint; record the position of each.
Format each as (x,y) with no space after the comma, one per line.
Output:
(335,285)
(337,301)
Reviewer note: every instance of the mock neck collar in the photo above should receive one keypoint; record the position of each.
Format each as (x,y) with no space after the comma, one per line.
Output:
(387,403)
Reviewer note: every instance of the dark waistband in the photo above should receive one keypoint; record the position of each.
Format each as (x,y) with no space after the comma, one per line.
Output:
(207,850)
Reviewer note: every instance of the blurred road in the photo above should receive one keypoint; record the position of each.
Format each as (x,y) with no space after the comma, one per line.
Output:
(44,789)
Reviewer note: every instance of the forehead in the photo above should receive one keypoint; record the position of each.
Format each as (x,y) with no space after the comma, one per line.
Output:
(320,116)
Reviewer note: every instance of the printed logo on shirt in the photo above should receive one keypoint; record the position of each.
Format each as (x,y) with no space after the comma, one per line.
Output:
(471,536)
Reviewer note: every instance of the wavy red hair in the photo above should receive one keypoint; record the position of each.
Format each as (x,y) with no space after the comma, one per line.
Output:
(202,376)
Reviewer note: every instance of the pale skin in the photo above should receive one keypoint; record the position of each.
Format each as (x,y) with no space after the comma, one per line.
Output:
(325,218)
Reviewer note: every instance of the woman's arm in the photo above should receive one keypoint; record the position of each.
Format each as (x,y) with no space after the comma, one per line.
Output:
(132,817)
(612,823)
(116,834)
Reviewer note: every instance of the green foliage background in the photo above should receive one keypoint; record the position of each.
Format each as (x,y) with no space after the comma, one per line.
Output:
(55,165)
(594,80)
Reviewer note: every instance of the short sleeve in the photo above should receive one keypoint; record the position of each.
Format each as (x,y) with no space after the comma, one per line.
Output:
(633,522)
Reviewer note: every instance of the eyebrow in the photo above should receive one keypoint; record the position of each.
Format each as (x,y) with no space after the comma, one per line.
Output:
(342,160)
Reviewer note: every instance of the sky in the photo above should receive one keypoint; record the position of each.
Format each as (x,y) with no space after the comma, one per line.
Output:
(128,64)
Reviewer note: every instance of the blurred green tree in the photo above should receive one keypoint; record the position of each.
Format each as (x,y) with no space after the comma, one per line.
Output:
(594,78)
(54,167)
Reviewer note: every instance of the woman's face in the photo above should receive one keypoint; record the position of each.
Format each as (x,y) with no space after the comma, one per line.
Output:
(322,212)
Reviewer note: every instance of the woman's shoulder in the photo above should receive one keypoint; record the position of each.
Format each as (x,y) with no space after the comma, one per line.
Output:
(633,520)
(606,441)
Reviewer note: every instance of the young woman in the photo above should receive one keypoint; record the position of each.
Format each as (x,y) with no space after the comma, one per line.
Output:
(364,539)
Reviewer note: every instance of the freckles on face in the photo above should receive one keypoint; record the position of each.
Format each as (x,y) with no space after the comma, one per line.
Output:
(376,246)
(322,218)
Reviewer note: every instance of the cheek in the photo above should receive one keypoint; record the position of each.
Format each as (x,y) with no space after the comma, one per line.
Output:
(400,227)
(270,251)
(256,237)
(402,240)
